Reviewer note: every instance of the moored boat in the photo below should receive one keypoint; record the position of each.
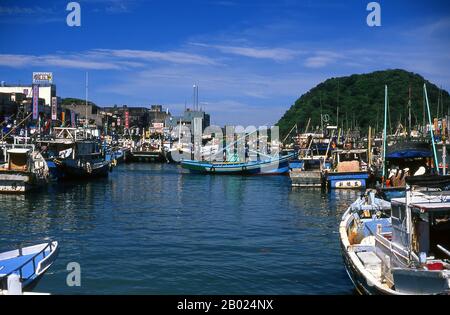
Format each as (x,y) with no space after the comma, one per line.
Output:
(400,247)
(350,170)
(28,263)
(23,170)
(273,166)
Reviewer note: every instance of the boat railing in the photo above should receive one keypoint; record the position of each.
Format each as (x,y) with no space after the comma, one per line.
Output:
(32,260)
(391,249)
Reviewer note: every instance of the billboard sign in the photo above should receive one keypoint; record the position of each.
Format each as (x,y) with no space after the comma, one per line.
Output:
(42,77)
(35,101)
(127,119)
(54,108)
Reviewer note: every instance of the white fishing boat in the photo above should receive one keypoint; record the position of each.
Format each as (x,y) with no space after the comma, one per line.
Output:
(401,247)
(23,169)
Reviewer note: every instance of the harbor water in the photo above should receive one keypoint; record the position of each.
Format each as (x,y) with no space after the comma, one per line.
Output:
(155,229)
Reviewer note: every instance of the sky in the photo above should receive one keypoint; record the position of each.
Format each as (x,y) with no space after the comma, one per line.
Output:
(250,58)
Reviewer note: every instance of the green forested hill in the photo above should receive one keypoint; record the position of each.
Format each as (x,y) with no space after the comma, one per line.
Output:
(361,100)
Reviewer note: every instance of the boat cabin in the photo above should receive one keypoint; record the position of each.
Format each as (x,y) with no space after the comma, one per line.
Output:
(428,233)
(348,161)
(17,160)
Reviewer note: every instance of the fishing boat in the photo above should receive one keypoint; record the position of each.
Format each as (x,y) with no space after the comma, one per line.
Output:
(148,151)
(270,166)
(349,170)
(400,247)
(23,169)
(308,171)
(74,153)
(313,159)
(28,263)
(404,158)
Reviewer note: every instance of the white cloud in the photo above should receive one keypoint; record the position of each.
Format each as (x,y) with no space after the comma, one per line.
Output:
(322,59)
(168,56)
(277,54)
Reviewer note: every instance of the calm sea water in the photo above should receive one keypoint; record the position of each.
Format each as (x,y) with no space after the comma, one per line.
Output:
(154,229)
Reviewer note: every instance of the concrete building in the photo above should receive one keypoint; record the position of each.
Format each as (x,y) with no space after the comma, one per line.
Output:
(188,118)
(45,92)
(80,110)
(139,117)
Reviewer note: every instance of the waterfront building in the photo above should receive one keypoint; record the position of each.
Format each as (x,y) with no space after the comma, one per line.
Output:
(46,92)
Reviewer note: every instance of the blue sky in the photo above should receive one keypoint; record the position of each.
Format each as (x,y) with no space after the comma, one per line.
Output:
(251,58)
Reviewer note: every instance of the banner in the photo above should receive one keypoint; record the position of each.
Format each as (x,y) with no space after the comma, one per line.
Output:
(35,101)
(42,78)
(54,108)
(72,118)
(63,118)
(127,120)
(118,121)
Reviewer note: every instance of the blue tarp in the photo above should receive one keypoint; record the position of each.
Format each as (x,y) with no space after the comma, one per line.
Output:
(410,154)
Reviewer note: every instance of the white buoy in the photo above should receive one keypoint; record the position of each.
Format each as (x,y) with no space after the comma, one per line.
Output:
(14,285)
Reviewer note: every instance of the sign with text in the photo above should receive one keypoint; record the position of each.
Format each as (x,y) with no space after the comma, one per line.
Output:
(127,119)
(54,108)
(42,77)
(35,101)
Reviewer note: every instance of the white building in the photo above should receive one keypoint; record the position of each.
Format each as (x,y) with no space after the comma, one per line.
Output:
(45,92)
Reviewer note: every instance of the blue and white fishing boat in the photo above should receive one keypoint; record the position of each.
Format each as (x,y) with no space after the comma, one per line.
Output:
(350,170)
(28,263)
(400,247)
(270,166)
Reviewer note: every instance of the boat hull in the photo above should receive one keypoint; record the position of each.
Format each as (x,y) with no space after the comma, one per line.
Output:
(354,180)
(19,182)
(306,178)
(147,157)
(71,170)
(270,167)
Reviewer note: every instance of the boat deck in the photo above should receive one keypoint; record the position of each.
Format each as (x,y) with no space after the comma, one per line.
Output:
(9,265)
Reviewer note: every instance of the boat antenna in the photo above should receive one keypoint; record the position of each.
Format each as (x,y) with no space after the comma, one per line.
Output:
(337,107)
(436,165)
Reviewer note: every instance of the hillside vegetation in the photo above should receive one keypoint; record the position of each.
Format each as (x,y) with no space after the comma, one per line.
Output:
(361,101)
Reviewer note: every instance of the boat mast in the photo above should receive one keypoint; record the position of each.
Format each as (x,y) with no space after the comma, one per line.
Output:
(86,107)
(409,111)
(385,130)
(436,165)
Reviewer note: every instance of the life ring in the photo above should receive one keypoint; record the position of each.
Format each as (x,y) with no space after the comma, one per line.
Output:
(212,169)
(244,168)
(88,167)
